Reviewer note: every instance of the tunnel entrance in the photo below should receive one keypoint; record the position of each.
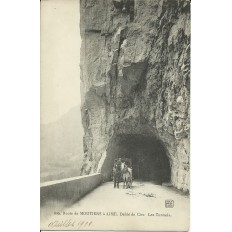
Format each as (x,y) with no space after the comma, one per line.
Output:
(148,154)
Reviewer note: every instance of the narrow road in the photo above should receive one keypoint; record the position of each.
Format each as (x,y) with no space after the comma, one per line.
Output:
(142,206)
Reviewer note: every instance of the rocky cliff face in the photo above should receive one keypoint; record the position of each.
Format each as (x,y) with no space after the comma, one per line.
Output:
(135,78)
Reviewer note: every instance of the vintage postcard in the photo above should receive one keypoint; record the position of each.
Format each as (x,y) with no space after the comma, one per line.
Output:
(115,115)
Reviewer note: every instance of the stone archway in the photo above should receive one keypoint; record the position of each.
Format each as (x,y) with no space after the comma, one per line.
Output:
(149,157)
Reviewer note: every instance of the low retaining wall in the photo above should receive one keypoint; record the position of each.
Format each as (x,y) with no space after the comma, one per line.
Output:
(68,190)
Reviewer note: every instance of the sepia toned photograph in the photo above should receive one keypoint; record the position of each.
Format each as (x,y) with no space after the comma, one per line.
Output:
(115,115)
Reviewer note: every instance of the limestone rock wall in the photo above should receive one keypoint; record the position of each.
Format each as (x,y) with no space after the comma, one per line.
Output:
(135,78)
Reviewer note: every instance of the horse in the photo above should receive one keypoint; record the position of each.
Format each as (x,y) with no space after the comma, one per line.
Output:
(116,176)
(126,175)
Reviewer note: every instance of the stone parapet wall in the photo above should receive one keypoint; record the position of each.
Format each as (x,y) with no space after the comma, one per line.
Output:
(68,190)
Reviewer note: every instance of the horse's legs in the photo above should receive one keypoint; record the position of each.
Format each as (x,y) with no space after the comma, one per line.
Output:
(114,182)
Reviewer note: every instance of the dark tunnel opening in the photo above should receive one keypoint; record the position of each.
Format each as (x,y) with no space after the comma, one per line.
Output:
(148,155)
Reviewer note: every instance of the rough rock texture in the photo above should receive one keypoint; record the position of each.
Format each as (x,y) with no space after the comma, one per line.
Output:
(135,80)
